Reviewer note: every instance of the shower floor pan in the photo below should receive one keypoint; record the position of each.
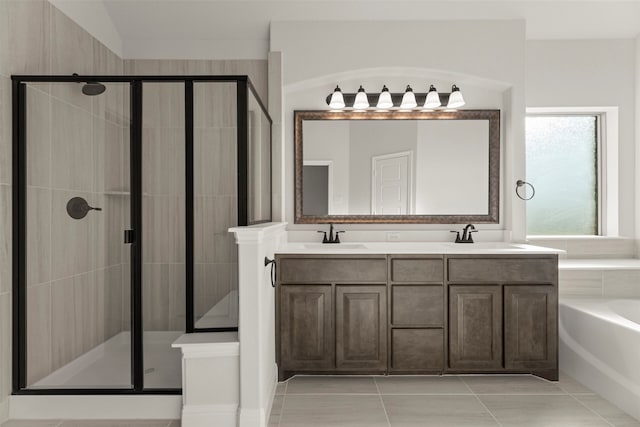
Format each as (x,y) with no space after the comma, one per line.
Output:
(108,365)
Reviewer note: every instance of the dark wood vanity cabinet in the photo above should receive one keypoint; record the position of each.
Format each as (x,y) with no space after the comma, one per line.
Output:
(361,327)
(416,307)
(410,314)
(503,314)
(475,327)
(331,314)
(530,327)
(306,334)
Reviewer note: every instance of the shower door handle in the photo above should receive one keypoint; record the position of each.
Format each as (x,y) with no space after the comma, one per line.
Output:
(129,236)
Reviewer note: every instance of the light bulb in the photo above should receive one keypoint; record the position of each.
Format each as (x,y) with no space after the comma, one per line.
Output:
(362,101)
(337,100)
(385,101)
(433,99)
(455,98)
(408,99)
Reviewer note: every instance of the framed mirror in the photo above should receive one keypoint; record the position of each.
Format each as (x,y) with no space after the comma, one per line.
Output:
(430,167)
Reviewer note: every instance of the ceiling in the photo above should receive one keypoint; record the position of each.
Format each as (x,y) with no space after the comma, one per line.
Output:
(239,29)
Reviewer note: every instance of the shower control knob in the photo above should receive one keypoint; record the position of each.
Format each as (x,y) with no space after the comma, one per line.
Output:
(78,208)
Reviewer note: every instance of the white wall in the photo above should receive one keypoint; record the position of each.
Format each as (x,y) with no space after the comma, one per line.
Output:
(370,139)
(331,143)
(453,172)
(591,73)
(637,127)
(94,18)
(484,57)
(258,370)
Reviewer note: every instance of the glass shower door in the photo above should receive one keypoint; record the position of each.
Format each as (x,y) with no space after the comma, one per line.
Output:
(163,231)
(77,265)
(215,175)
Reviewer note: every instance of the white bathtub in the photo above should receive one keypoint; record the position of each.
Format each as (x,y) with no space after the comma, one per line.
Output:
(600,347)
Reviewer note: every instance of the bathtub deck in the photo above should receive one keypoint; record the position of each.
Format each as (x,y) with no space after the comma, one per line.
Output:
(599,264)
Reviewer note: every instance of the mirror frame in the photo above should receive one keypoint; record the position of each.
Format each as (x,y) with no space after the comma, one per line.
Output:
(493,117)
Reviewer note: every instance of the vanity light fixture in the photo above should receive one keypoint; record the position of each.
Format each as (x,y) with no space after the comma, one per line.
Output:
(455,98)
(384,100)
(337,100)
(408,99)
(361,102)
(433,99)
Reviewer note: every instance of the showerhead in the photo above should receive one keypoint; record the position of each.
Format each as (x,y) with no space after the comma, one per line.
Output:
(93,88)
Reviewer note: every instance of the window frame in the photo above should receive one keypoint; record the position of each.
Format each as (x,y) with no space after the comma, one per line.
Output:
(606,164)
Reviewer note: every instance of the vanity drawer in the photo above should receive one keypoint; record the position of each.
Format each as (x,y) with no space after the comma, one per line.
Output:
(416,270)
(417,350)
(502,270)
(332,270)
(417,305)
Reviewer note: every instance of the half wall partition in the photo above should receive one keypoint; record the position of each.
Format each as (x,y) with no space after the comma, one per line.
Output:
(124,189)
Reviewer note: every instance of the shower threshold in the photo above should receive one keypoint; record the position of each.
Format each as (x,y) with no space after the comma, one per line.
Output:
(108,365)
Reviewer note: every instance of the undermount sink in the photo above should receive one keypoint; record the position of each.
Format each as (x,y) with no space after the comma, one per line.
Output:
(334,246)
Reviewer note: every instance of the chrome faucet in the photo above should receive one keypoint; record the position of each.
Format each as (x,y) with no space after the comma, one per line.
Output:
(466,234)
(332,238)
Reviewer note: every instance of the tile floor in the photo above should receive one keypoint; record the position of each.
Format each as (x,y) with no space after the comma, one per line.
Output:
(471,401)
(91,423)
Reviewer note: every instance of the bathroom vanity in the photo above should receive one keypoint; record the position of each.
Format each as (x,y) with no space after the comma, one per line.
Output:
(416,308)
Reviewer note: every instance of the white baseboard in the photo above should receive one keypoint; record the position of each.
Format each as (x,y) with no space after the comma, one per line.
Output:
(273,393)
(4,410)
(252,418)
(164,407)
(210,415)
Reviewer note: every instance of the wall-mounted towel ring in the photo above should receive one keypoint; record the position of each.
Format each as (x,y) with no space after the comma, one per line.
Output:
(521,183)
(274,267)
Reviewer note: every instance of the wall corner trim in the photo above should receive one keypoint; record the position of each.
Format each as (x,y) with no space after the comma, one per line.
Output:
(257,233)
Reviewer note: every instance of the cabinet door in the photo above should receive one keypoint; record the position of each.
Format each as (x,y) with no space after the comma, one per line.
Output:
(475,327)
(306,328)
(417,350)
(361,328)
(530,327)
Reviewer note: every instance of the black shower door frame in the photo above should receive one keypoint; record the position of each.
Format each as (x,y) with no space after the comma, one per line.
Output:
(19,212)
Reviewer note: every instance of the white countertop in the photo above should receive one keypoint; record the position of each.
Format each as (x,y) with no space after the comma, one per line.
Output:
(498,248)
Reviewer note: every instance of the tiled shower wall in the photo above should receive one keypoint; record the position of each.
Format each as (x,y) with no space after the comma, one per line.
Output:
(74,149)
(216,202)
(75,146)
(35,38)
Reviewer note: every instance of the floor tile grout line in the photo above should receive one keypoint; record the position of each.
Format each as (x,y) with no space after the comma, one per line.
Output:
(487,409)
(521,394)
(480,400)
(467,386)
(591,410)
(284,399)
(423,394)
(382,402)
(333,394)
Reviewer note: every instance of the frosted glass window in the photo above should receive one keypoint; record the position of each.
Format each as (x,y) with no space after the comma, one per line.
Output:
(562,164)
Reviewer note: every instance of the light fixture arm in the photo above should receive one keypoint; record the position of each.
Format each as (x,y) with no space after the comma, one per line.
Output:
(349,98)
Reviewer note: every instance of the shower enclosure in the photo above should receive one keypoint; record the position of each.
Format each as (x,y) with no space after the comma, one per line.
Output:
(124,189)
